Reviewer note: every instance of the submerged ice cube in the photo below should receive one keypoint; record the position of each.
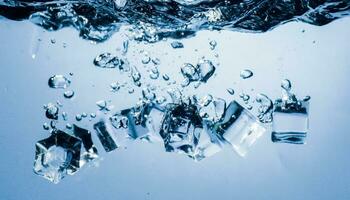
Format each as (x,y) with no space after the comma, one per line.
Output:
(181,129)
(57,156)
(106,135)
(290,122)
(90,152)
(144,120)
(184,131)
(239,128)
(154,122)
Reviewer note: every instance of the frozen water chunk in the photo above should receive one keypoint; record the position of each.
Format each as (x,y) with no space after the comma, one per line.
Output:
(181,129)
(106,135)
(154,123)
(139,120)
(208,144)
(212,109)
(239,128)
(90,152)
(290,122)
(57,156)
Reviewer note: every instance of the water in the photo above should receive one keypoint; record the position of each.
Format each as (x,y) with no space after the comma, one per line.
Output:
(203,126)
(154,20)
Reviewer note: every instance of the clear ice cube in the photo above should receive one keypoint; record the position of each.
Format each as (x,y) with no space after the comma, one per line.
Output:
(137,117)
(154,123)
(181,129)
(239,128)
(90,151)
(57,156)
(290,122)
(208,144)
(106,135)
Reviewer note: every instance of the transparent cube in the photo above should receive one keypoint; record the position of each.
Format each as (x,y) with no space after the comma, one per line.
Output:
(208,145)
(89,152)
(290,122)
(106,135)
(137,117)
(57,156)
(154,123)
(181,129)
(239,128)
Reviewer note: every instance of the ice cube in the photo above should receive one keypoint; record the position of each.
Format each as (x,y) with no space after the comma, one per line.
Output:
(154,123)
(239,128)
(90,152)
(106,135)
(181,129)
(137,117)
(208,144)
(57,156)
(290,122)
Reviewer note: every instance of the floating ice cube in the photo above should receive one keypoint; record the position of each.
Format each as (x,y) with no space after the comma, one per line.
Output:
(57,156)
(290,122)
(239,128)
(90,153)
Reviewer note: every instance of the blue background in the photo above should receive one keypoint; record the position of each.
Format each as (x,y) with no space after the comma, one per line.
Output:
(317,62)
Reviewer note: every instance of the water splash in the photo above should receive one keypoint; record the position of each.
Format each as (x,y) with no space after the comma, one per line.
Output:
(153,20)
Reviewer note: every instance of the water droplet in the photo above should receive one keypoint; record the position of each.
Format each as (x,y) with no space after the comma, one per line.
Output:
(189,72)
(51,111)
(78,117)
(231,91)
(154,73)
(64,116)
(205,69)
(166,77)
(58,81)
(46,126)
(286,85)
(177,45)
(156,61)
(115,86)
(306,98)
(246,74)
(147,94)
(83,114)
(68,94)
(53,41)
(244,97)
(146,59)
(125,47)
(69,126)
(131,90)
(92,115)
(212,44)
(107,60)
